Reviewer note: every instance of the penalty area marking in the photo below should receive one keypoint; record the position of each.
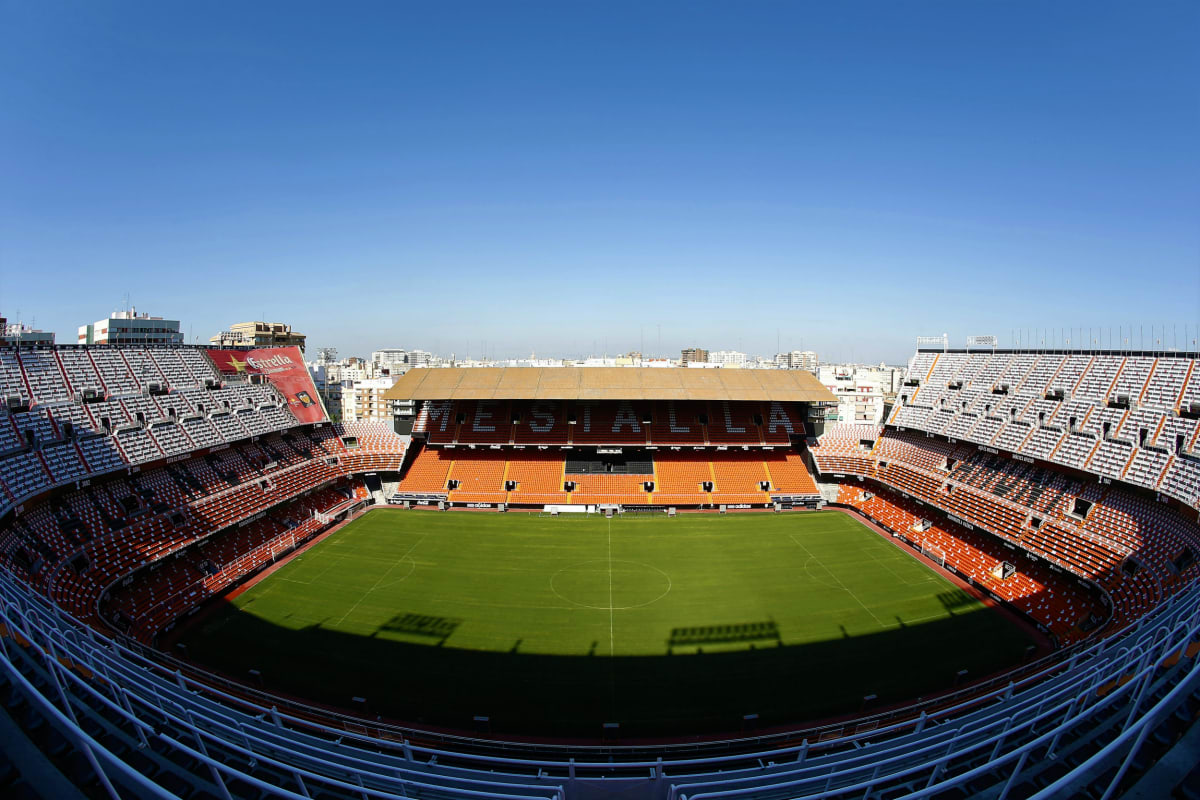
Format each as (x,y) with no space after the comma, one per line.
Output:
(412,567)
(902,580)
(404,558)
(843,586)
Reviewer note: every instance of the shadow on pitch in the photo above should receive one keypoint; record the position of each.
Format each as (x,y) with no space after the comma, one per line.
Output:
(747,632)
(690,688)
(422,626)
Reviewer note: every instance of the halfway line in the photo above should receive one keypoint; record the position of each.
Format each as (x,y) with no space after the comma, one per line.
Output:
(611,645)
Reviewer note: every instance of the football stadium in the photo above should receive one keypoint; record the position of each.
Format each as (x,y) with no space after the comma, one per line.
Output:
(609,400)
(574,582)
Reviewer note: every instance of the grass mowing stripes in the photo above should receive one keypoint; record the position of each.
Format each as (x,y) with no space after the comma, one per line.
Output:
(557,625)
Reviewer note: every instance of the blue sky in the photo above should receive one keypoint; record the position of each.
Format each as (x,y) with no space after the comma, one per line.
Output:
(577,177)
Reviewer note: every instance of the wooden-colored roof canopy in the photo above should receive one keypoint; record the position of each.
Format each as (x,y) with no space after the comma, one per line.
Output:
(609,383)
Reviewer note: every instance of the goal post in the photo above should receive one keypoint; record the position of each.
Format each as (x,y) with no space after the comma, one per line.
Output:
(934,552)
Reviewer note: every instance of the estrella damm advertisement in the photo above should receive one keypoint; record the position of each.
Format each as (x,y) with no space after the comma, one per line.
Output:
(284,368)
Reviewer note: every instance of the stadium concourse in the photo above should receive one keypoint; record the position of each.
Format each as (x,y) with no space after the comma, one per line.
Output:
(138,482)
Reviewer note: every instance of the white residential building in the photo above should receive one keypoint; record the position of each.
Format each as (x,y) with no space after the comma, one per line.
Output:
(798,359)
(727,358)
(130,327)
(362,400)
(421,358)
(390,356)
(861,390)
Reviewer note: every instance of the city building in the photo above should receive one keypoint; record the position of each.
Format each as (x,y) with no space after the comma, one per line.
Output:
(390,356)
(363,400)
(355,369)
(693,354)
(727,358)
(798,359)
(327,377)
(421,358)
(396,360)
(20,333)
(259,334)
(130,327)
(863,392)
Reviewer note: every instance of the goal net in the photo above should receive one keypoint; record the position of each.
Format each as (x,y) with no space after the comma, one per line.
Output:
(934,552)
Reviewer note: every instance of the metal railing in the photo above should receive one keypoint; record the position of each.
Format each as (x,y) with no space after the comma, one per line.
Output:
(1102,689)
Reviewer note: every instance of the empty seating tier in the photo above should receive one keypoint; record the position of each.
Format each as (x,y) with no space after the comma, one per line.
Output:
(616,422)
(663,477)
(1129,545)
(73,410)
(1119,416)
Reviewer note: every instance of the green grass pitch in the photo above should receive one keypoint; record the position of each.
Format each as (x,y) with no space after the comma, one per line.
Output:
(557,625)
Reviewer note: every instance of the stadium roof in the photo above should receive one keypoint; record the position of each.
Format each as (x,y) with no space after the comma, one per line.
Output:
(608,383)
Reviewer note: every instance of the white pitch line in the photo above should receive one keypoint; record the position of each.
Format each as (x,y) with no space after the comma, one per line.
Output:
(845,588)
(381,577)
(611,643)
(903,581)
(330,564)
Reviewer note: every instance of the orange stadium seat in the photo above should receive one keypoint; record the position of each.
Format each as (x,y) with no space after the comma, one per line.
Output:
(428,472)
(538,476)
(738,478)
(480,476)
(608,488)
(680,477)
(789,474)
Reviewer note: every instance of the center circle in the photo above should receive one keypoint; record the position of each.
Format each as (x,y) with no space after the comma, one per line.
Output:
(610,585)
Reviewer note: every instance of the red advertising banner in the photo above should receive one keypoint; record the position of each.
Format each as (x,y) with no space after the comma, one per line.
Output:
(284,368)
